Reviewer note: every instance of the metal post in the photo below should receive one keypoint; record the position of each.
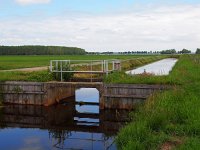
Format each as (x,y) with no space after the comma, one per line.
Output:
(113,63)
(91,70)
(70,65)
(106,67)
(61,76)
(56,65)
(51,66)
(102,66)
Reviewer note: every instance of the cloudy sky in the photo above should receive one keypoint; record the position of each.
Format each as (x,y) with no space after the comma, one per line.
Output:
(102,25)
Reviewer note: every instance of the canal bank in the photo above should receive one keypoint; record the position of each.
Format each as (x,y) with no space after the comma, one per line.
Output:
(171,119)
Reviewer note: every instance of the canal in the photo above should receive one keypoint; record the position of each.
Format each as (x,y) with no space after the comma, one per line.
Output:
(78,124)
(161,67)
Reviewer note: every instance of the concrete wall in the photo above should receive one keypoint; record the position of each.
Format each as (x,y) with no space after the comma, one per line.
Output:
(34,93)
(126,96)
(112,96)
(22,92)
(55,91)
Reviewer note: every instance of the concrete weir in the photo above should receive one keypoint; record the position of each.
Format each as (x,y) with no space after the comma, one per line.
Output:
(112,96)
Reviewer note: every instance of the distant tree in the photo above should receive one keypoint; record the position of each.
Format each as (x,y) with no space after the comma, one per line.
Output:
(170,51)
(184,51)
(198,51)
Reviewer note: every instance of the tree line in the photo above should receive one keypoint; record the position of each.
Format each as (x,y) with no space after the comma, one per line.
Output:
(168,51)
(40,50)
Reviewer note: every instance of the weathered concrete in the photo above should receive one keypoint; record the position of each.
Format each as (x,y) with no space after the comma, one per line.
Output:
(126,96)
(112,96)
(22,92)
(56,91)
(41,93)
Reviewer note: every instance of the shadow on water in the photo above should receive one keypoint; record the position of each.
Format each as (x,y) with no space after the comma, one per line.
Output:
(69,125)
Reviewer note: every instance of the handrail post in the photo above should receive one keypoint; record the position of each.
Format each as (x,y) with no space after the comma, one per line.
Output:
(51,67)
(113,63)
(106,67)
(56,65)
(61,69)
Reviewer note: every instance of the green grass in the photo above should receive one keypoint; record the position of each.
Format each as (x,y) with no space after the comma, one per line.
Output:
(14,62)
(122,77)
(40,76)
(171,117)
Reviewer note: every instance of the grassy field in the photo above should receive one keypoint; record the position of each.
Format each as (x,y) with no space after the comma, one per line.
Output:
(15,62)
(171,119)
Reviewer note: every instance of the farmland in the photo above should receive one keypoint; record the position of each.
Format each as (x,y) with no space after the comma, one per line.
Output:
(14,62)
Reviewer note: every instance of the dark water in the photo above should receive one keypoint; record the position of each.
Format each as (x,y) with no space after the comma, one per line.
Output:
(63,126)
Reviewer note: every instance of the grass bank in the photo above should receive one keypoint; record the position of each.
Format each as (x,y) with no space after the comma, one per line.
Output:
(122,77)
(171,119)
(40,76)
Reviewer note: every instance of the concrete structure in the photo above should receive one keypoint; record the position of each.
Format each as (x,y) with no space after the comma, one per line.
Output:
(126,96)
(112,96)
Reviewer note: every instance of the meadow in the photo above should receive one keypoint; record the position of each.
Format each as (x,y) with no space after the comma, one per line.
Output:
(170,119)
(15,62)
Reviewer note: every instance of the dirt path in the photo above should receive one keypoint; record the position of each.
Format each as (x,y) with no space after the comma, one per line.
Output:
(46,67)
(27,69)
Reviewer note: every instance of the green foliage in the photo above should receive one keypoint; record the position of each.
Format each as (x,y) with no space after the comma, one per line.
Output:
(65,75)
(40,50)
(185,51)
(170,51)
(198,51)
(172,116)
(40,76)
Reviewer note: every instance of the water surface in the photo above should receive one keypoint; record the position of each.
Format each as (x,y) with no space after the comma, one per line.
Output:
(162,67)
(63,126)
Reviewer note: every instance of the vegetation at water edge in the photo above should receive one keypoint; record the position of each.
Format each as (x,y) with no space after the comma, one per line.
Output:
(171,119)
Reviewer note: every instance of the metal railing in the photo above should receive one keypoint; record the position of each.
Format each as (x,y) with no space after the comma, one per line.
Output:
(84,66)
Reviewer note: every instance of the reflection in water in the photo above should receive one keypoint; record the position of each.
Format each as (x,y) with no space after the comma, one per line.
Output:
(63,126)
(162,67)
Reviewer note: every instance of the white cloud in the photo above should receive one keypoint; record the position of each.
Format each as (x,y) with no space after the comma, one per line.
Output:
(28,2)
(153,29)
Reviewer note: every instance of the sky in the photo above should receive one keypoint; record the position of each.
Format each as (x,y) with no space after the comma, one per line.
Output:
(102,25)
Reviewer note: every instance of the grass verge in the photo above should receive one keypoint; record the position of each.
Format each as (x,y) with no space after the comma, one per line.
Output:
(40,76)
(168,120)
(122,77)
